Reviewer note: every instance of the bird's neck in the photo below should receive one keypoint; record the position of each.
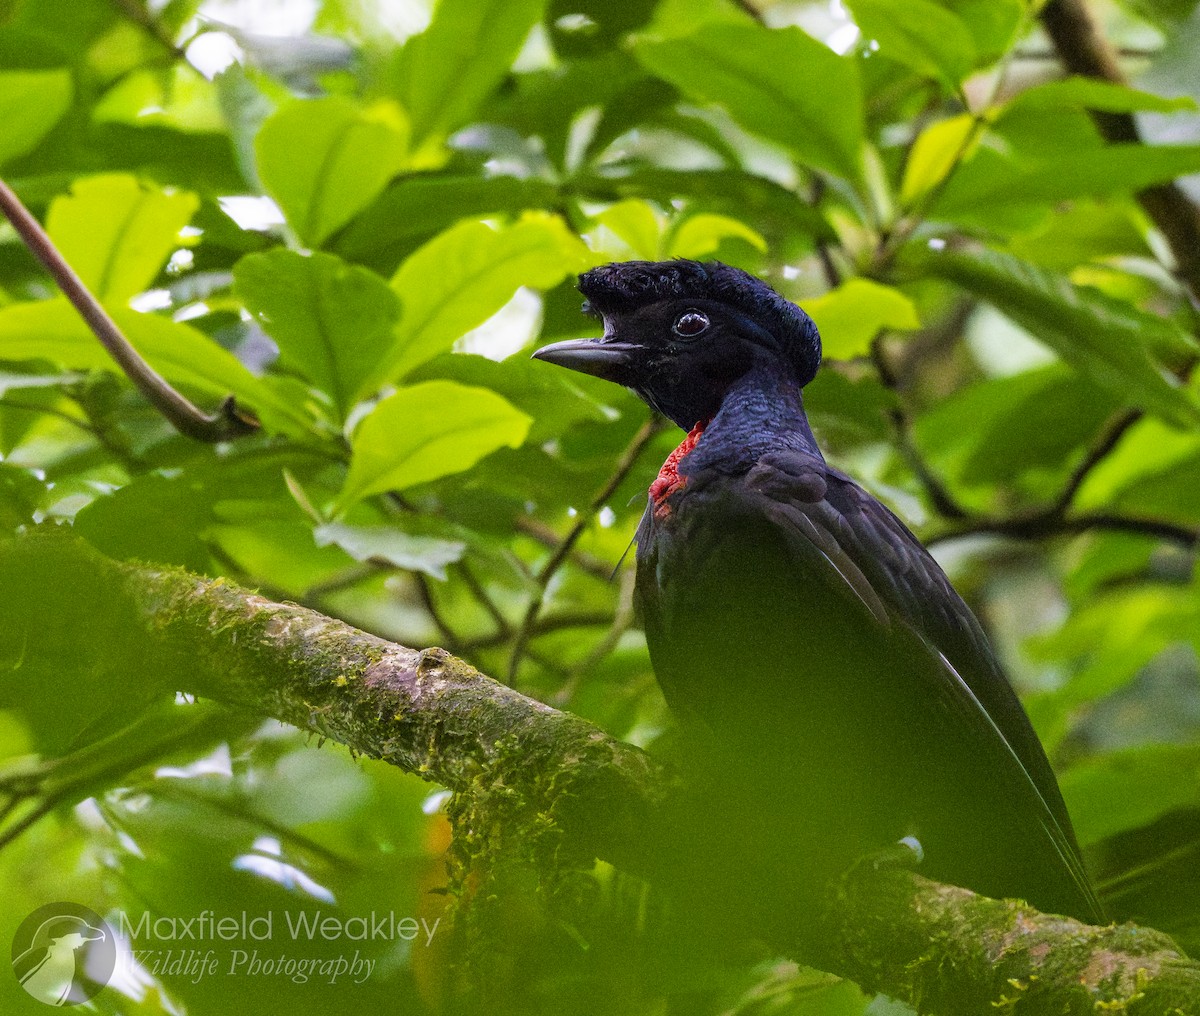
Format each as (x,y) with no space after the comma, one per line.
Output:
(763,411)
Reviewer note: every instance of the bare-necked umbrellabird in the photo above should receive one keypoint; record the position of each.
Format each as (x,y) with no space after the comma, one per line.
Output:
(816,653)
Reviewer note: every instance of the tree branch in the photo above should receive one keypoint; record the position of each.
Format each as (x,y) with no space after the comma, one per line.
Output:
(1084,50)
(229,422)
(945,950)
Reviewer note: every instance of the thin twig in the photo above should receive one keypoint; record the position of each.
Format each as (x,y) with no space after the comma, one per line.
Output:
(1054,519)
(132,11)
(833,276)
(546,536)
(1096,454)
(891,241)
(621,620)
(105,769)
(1043,525)
(476,589)
(627,461)
(944,503)
(544,626)
(229,422)
(449,636)
(750,9)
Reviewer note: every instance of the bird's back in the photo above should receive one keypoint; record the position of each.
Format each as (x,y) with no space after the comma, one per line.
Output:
(840,693)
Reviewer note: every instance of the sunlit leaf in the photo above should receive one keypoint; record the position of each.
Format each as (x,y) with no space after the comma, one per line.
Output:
(1128,789)
(992,24)
(116,233)
(416,207)
(1090,93)
(781,84)
(1154,471)
(53,330)
(325,160)
(447,70)
(982,185)
(428,431)
(850,316)
(700,235)
(462,277)
(938,148)
(637,224)
(1010,428)
(31,103)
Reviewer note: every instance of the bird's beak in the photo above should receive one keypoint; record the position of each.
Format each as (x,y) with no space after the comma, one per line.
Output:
(603,358)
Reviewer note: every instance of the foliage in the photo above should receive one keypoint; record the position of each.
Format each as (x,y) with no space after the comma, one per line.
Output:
(360,233)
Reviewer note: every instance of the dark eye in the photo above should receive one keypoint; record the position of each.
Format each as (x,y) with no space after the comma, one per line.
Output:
(690,323)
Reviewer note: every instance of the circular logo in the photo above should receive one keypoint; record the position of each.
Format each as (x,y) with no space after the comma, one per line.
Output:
(63,954)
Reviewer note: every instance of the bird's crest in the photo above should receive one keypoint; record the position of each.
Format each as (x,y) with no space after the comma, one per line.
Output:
(627,285)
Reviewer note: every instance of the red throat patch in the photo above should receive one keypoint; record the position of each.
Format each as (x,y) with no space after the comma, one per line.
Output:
(669,481)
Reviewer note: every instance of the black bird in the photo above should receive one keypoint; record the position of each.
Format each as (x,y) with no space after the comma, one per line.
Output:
(830,679)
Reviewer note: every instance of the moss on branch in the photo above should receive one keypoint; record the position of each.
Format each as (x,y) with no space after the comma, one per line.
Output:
(550,786)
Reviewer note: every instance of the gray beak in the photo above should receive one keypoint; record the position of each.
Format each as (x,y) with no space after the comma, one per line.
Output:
(603,358)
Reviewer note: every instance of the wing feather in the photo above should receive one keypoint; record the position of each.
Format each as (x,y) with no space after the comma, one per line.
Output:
(873,556)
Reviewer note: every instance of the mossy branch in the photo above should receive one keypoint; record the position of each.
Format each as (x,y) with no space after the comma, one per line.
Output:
(943,949)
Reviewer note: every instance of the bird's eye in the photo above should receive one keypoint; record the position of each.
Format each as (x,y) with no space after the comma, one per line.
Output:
(690,323)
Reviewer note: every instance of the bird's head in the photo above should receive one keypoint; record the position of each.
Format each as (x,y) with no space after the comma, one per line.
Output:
(680,333)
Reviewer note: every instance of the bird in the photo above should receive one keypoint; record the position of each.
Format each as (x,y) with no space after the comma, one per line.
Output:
(836,694)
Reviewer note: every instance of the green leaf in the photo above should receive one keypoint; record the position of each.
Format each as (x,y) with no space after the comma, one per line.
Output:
(1153,471)
(21,493)
(462,277)
(1113,169)
(1103,338)
(325,160)
(1129,789)
(1010,429)
(31,103)
(331,321)
(425,554)
(637,224)
(115,525)
(415,208)
(552,397)
(52,330)
(938,148)
(850,316)
(1089,93)
(427,431)
(445,72)
(780,84)
(1086,231)
(117,233)
(700,235)
(919,34)
(1108,641)
(992,24)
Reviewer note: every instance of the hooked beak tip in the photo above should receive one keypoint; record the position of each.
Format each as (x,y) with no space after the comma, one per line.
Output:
(603,358)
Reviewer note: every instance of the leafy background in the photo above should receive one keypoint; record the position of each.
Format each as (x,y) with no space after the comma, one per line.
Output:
(359,217)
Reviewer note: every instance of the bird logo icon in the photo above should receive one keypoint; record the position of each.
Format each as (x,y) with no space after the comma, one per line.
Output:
(63,953)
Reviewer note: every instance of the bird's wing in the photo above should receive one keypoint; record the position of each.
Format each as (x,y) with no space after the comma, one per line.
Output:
(861,546)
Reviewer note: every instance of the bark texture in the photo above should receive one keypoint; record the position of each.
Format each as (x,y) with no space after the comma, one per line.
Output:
(577,794)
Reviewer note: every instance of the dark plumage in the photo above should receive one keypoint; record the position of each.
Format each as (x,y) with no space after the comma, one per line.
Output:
(837,693)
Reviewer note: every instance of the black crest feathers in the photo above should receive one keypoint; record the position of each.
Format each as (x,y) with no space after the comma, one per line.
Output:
(627,285)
